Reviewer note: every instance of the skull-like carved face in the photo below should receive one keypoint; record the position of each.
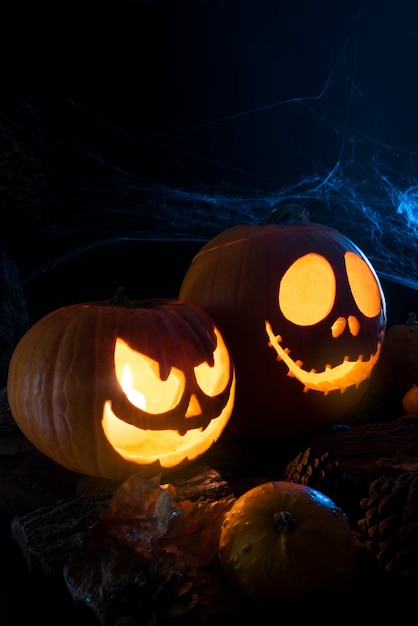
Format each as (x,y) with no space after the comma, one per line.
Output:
(309,294)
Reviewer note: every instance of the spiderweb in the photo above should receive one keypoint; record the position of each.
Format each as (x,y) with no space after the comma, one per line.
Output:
(329,147)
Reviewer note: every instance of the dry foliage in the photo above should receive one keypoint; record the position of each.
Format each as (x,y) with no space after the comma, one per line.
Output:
(150,559)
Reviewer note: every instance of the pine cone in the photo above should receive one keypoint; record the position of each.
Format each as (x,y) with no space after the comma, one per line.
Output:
(325,475)
(390,523)
(317,472)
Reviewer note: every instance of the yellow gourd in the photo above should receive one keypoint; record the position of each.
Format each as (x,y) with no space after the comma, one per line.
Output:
(287,542)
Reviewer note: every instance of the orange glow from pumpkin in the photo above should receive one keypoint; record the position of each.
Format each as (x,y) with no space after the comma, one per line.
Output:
(139,376)
(344,375)
(363,284)
(140,379)
(135,397)
(307,290)
(306,296)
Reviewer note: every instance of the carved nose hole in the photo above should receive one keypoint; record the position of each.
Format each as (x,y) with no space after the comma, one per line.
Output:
(354,325)
(338,327)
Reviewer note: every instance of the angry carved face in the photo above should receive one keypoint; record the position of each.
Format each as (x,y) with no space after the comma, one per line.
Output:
(164,410)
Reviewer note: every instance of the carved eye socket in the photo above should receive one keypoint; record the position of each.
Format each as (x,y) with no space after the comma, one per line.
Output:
(307,290)
(213,380)
(143,385)
(363,285)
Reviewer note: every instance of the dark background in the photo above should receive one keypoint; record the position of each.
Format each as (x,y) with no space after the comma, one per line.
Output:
(134,131)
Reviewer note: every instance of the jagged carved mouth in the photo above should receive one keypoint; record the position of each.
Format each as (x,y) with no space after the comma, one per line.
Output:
(338,378)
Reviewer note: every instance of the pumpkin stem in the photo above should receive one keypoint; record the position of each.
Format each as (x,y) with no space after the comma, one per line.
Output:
(119,298)
(289,213)
(284,522)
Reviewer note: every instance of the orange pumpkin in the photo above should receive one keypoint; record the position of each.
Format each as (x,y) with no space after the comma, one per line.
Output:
(288,543)
(113,388)
(304,314)
(410,400)
(397,368)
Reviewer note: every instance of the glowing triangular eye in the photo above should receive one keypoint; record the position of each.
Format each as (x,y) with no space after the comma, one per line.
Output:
(307,290)
(139,377)
(213,379)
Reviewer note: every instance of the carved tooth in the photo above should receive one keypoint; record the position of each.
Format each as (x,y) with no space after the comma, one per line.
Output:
(278,338)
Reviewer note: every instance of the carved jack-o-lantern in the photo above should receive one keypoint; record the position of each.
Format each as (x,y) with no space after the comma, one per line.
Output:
(304,315)
(113,388)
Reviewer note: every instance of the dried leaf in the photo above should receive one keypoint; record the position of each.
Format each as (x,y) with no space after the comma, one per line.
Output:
(133,564)
(113,579)
(140,511)
(196,533)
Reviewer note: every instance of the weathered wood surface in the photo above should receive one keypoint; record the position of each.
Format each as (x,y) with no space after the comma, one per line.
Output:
(48,535)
